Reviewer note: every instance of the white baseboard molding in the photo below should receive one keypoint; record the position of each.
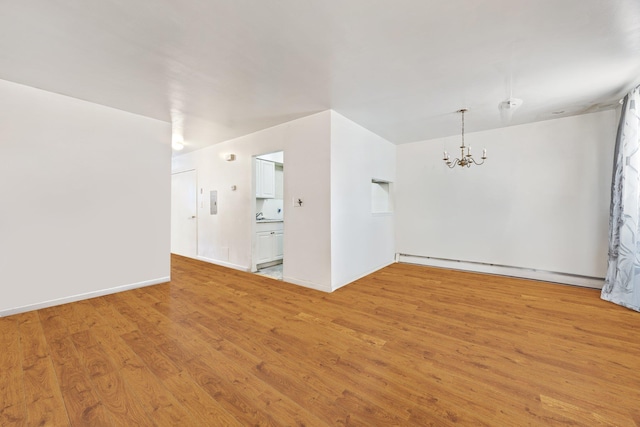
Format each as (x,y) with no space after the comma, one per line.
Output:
(79,297)
(224,263)
(363,275)
(504,270)
(306,284)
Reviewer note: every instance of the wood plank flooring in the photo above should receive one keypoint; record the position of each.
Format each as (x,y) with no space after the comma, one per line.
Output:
(407,345)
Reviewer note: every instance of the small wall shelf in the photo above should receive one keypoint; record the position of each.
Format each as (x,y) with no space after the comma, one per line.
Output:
(381,200)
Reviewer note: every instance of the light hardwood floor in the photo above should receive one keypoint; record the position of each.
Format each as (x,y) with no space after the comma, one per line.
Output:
(407,345)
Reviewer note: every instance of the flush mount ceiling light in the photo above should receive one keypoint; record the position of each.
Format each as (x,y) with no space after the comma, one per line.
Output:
(465,160)
(177,143)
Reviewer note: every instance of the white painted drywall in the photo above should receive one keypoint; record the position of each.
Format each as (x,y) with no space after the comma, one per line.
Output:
(226,238)
(85,194)
(541,201)
(361,241)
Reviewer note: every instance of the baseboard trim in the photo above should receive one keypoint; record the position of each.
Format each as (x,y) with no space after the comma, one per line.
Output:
(364,274)
(505,270)
(306,284)
(79,297)
(223,263)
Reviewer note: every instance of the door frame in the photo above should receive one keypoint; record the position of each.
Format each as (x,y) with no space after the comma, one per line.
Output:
(254,248)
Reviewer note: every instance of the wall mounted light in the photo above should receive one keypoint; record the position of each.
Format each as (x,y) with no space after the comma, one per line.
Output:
(230,157)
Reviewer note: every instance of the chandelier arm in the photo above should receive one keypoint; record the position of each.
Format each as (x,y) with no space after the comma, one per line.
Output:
(474,161)
(453,164)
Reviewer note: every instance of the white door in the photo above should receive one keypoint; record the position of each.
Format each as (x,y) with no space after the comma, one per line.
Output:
(184,214)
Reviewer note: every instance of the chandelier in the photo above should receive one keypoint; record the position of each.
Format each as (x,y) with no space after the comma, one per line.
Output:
(465,160)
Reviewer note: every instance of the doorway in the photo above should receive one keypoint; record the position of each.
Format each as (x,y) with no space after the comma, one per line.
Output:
(184,221)
(268,239)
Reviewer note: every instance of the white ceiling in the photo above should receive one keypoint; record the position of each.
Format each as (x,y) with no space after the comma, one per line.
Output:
(224,68)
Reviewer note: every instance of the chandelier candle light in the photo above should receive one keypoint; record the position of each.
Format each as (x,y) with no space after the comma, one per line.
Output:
(464,160)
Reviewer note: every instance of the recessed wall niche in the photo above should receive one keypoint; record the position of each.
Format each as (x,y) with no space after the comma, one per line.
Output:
(381,201)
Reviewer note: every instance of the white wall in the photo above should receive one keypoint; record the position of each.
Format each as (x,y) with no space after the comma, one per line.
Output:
(330,161)
(227,237)
(541,201)
(361,241)
(85,199)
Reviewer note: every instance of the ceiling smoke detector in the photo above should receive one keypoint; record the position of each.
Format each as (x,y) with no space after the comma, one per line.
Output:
(507,107)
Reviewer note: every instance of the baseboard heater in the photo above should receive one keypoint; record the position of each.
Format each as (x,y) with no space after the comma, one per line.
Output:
(503,270)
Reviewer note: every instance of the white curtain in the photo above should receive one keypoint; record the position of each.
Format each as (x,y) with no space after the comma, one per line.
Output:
(622,283)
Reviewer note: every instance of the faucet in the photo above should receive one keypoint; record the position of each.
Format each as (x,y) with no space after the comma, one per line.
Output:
(259,215)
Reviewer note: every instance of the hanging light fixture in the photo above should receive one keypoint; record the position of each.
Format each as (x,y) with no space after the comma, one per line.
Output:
(465,160)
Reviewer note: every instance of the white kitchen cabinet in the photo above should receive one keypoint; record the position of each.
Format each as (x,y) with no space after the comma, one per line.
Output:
(264,247)
(279,244)
(265,179)
(279,179)
(269,242)
(269,246)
